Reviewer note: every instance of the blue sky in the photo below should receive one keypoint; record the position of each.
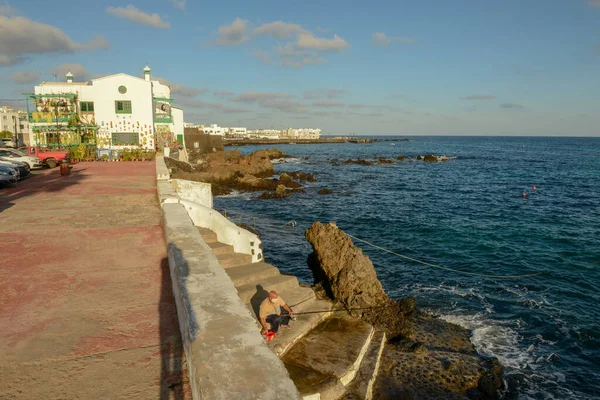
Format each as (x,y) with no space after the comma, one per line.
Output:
(471,67)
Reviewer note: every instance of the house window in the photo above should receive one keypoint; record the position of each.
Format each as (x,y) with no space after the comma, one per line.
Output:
(86,106)
(123,106)
(125,138)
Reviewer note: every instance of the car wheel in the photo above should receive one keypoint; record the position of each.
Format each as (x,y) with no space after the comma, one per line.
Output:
(51,163)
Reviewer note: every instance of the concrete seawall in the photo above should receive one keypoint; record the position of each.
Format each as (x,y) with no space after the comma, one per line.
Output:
(226,355)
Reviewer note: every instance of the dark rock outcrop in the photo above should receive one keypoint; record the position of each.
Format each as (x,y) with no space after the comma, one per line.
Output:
(383,160)
(400,158)
(280,192)
(358,161)
(325,191)
(348,276)
(287,181)
(252,183)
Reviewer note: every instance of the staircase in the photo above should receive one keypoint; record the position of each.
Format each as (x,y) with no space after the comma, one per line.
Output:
(327,357)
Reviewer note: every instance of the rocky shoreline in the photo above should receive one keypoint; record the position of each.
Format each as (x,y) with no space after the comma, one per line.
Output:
(425,357)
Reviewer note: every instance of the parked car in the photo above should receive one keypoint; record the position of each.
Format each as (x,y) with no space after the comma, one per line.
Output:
(9,174)
(15,155)
(7,143)
(50,158)
(22,167)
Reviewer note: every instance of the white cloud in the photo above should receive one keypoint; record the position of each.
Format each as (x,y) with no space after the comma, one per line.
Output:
(381,39)
(233,34)
(594,3)
(223,93)
(178,4)
(80,73)
(309,42)
(280,30)
(257,97)
(291,56)
(262,55)
(6,9)
(138,16)
(25,77)
(193,103)
(181,90)
(328,104)
(22,37)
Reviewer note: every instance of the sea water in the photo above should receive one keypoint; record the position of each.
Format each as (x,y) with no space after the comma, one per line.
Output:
(467,214)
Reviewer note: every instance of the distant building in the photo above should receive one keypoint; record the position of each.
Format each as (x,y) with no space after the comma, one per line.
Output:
(113,111)
(15,122)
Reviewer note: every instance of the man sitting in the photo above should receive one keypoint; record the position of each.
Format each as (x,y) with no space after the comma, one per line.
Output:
(270,311)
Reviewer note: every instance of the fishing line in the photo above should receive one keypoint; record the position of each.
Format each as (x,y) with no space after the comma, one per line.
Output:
(442,267)
(275,226)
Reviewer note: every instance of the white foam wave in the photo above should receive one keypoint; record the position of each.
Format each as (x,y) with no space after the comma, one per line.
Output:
(493,339)
(288,160)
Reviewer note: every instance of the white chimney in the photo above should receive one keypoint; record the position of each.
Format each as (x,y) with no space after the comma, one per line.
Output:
(147,75)
(69,77)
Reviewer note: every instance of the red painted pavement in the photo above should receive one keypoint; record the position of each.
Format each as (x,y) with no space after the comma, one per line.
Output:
(86,305)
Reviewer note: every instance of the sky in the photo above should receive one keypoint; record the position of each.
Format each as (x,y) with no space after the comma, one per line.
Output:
(463,67)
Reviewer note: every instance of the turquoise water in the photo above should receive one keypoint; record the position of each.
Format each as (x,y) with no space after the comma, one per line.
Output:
(467,214)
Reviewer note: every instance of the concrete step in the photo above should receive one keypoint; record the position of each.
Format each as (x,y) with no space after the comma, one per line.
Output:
(302,324)
(220,248)
(233,259)
(208,235)
(334,349)
(279,283)
(362,385)
(251,273)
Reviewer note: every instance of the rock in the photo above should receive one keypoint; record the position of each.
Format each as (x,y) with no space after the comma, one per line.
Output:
(224,167)
(251,182)
(433,158)
(348,276)
(280,192)
(325,191)
(383,160)
(287,181)
(218,190)
(307,177)
(418,348)
(358,161)
(491,381)
(400,158)
(276,153)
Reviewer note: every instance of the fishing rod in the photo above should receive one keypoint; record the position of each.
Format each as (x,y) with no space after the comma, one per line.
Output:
(342,309)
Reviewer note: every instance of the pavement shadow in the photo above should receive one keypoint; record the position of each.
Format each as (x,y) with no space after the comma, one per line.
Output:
(257,298)
(173,374)
(43,181)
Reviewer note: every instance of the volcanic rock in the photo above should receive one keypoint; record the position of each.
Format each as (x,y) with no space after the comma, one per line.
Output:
(359,161)
(400,158)
(383,160)
(251,182)
(287,181)
(280,192)
(325,191)
(433,158)
(348,276)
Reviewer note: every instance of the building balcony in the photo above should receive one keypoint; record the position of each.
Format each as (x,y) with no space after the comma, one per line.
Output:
(49,117)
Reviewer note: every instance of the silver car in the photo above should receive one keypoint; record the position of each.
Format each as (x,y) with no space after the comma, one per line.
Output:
(15,155)
(9,174)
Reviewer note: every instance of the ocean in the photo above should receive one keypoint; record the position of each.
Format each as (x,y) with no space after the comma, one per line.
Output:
(466,214)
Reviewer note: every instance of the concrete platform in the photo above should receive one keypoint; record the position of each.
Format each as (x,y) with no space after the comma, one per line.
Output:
(87,307)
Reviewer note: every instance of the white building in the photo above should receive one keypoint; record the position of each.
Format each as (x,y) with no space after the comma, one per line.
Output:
(305,133)
(237,131)
(15,122)
(113,111)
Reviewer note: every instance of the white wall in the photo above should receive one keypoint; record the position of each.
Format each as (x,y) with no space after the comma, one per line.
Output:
(141,119)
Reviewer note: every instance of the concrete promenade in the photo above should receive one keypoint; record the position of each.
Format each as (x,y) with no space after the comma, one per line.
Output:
(86,304)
